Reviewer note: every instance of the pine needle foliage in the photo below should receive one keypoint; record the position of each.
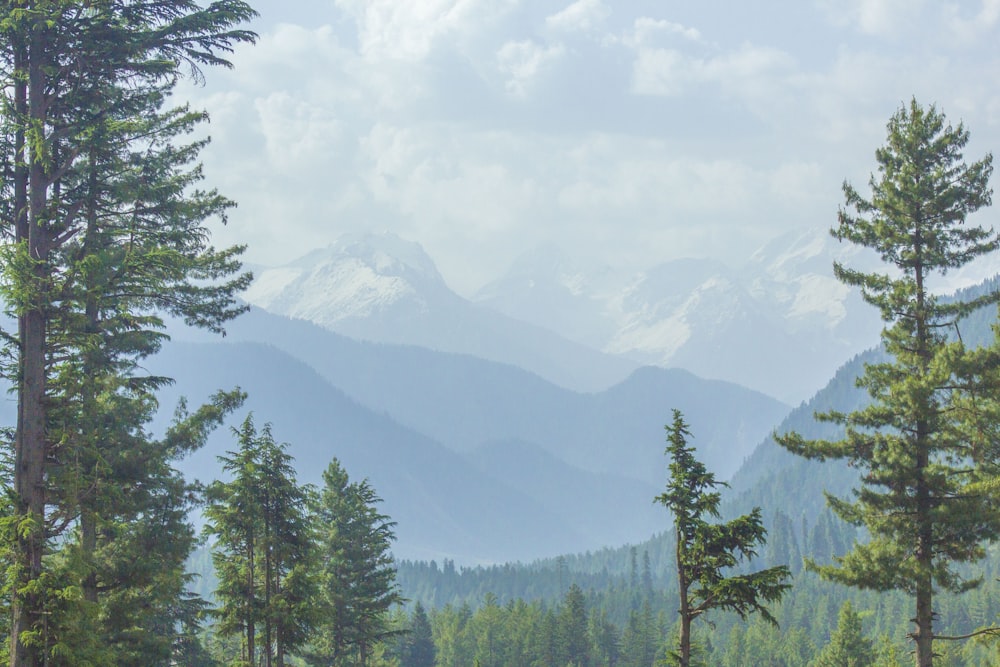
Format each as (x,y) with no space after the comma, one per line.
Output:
(925,445)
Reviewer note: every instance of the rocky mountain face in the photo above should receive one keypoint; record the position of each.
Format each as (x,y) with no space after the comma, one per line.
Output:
(781,323)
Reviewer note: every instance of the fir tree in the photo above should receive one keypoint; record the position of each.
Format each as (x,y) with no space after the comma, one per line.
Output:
(418,647)
(848,647)
(923,445)
(79,80)
(262,552)
(706,550)
(355,571)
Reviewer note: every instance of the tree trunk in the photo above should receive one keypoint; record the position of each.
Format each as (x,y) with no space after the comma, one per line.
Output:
(924,635)
(30,445)
(684,648)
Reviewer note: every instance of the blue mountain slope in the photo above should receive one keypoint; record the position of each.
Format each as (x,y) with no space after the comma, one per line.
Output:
(443,505)
(464,402)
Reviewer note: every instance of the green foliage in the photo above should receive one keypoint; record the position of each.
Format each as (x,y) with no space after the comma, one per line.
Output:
(104,229)
(356,573)
(418,644)
(263,549)
(848,647)
(707,551)
(924,443)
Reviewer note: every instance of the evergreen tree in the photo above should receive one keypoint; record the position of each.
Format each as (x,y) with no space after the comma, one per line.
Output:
(848,647)
(262,550)
(418,647)
(571,627)
(356,573)
(82,86)
(706,550)
(923,445)
(605,639)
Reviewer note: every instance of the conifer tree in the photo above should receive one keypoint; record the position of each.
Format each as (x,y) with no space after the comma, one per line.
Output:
(79,82)
(848,647)
(357,577)
(925,442)
(263,549)
(418,647)
(705,551)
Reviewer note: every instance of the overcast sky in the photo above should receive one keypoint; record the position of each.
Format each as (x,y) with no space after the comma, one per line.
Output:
(627,131)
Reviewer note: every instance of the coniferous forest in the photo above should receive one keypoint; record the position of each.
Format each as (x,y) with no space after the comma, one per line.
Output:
(863,533)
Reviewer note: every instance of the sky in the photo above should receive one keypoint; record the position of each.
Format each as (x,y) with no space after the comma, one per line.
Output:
(627,132)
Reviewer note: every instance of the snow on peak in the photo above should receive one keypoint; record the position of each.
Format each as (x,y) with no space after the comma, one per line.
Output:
(385,253)
(355,277)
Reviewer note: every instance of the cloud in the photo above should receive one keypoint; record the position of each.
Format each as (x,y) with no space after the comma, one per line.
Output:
(521,62)
(639,135)
(408,31)
(884,18)
(744,71)
(581,16)
(971,30)
(648,30)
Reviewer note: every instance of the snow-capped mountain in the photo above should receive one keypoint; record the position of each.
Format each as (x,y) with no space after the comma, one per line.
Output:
(357,278)
(378,287)
(781,323)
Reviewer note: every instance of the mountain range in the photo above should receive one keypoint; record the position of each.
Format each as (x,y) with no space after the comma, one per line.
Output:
(780,324)
(477,461)
(380,288)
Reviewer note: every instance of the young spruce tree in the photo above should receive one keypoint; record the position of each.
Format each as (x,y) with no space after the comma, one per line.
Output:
(705,551)
(922,446)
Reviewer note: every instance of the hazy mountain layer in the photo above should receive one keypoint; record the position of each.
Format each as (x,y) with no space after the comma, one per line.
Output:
(781,323)
(464,402)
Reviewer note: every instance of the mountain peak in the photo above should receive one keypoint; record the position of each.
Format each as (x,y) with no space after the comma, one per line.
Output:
(385,253)
(355,277)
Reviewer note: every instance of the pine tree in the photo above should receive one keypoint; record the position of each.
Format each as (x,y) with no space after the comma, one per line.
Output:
(262,554)
(356,573)
(848,647)
(418,647)
(79,78)
(706,550)
(571,629)
(923,445)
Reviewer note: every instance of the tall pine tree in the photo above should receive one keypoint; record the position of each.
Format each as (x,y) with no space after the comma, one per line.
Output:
(263,549)
(101,231)
(922,445)
(357,576)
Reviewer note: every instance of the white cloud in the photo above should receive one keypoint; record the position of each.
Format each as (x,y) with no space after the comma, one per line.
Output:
(971,30)
(883,18)
(297,133)
(521,62)
(409,30)
(581,16)
(648,30)
(745,71)
(455,123)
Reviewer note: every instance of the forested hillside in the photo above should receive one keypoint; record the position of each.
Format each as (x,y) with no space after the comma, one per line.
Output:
(634,587)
